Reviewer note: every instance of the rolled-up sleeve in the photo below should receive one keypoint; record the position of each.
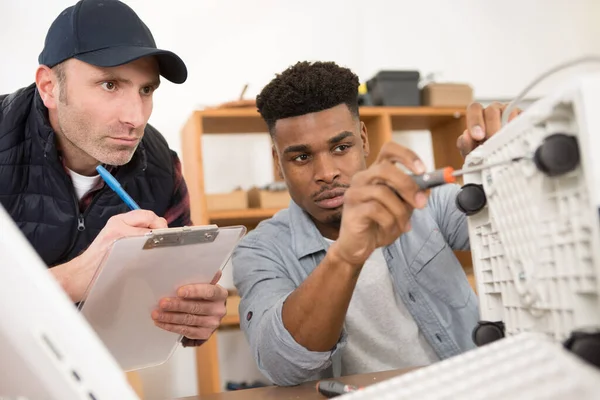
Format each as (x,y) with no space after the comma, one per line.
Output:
(264,285)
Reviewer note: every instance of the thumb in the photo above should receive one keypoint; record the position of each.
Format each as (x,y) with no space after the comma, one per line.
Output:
(143,219)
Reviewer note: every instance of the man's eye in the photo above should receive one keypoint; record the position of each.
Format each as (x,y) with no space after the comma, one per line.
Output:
(109,86)
(147,90)
(301,157)
(341,147)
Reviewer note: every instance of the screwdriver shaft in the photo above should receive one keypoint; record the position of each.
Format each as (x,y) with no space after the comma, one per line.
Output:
(441,176)
(468,170)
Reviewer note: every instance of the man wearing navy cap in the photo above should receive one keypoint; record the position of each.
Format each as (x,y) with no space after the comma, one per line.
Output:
(90,105)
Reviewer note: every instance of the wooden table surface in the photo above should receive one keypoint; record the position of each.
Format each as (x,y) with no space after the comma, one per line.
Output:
(306,391)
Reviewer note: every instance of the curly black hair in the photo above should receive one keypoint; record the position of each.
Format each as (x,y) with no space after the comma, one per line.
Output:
(305,88)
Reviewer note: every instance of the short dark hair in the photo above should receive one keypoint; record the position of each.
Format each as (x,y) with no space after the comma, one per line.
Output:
(61,77)
(305,88)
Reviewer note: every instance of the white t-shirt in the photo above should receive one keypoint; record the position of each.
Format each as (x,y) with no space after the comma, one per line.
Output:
(82,184)
(382,334)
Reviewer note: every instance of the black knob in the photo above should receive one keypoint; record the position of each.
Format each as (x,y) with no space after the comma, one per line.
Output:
(557,155)
(487,332)
(586,345)
(471,198)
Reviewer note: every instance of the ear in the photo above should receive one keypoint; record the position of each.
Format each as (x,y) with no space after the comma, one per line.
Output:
(47,86)
(276,164)
(365,139)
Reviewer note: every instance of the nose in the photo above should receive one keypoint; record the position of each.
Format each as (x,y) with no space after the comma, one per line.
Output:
(133,111)
(326,169)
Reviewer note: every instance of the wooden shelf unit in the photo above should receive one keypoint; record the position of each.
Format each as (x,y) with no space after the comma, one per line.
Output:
(445,125)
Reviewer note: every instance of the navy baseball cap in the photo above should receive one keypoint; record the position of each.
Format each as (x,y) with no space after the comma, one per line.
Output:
(106,33)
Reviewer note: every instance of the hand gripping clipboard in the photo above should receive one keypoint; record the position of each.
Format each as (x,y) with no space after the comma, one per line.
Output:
(137,273)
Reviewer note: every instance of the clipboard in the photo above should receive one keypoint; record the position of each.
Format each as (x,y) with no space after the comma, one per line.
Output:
(139,271)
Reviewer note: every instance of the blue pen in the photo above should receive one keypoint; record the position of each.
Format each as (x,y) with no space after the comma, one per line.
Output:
(116,186)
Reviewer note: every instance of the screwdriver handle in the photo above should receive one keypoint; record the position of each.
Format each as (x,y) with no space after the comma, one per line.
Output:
(332,389)
(435,178)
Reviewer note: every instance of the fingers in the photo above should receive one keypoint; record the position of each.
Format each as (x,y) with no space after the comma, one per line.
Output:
(465,143)
(158,223)
(482,123)
(393,152)
(381,206)
(216,278)
(379,194)
(194,319)
(133,231)
(196,307)
(514,114)
(475,122)
(189,332)
(493,118)
(203,291)
(176,318)
(392,176)
(142,219)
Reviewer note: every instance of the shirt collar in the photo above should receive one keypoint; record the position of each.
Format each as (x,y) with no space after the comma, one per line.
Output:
(306,238)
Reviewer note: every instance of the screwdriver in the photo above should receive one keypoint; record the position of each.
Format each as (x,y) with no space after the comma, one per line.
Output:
(444,175)
(330,389)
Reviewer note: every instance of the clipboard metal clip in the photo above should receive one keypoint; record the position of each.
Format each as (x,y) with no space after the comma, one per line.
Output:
(180,237)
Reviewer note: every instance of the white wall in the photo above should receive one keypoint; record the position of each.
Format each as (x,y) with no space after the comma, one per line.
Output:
(497,46)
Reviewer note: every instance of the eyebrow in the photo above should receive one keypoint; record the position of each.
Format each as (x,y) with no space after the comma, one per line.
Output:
(299,148)
(304,148)
(108,76)
(339,137)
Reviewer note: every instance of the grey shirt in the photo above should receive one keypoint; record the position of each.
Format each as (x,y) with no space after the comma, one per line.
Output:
(374,311)
(276,257)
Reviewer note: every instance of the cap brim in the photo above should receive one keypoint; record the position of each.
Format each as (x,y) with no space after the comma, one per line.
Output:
(170,65)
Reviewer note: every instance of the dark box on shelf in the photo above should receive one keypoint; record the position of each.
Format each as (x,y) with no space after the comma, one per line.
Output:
(395,88)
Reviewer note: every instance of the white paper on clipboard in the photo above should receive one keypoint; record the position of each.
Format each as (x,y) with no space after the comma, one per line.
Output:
(141,270)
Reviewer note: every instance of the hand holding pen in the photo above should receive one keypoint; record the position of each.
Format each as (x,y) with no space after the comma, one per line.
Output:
(76,275)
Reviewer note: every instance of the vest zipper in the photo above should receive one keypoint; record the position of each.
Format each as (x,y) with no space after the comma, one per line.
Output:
(80,223)
(80,217)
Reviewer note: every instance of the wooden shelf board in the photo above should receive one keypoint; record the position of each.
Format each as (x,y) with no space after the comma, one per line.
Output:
(412,111)
(418,122)
(248,120)
(228,112)
(241,217)
(364,111)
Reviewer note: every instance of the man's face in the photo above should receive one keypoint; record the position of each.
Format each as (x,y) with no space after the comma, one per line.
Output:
(102,112)
(318,155)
